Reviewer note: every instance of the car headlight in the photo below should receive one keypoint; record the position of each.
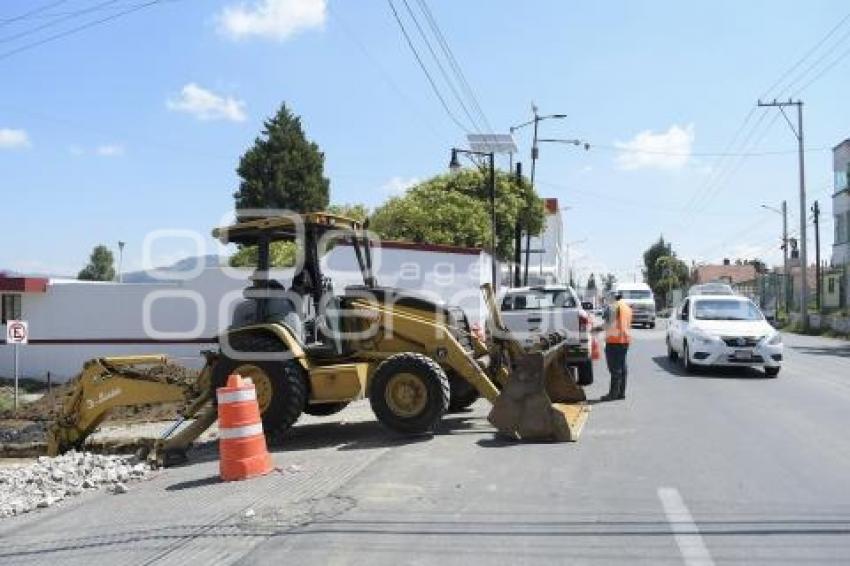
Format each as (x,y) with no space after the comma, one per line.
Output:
(703,337)
(775,339)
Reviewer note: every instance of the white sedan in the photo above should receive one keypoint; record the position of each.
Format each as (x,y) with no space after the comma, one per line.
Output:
(716,330)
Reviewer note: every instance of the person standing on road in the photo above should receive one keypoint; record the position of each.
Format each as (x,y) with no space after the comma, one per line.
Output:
(618,325)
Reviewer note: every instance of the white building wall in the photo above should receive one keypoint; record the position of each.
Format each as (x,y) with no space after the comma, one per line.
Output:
(76,320)
(841,204)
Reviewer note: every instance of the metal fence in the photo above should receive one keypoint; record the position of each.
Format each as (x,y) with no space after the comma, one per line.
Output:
(778,294)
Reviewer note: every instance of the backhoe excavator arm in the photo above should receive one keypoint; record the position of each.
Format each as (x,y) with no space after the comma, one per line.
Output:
(106,383)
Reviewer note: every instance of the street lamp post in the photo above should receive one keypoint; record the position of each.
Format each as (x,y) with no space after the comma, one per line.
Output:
(120,261)
(535,121)
(454,165)
(785,275)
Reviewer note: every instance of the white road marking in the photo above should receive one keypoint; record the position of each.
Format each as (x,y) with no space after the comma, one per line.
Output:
(684,529)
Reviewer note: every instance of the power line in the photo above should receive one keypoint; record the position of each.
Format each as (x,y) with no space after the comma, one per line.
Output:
(724,169)
(449,81)
(453,62)
(87,25)
(430,125)
(425,69)
(56,21)
(31,13)
(705,154)
(802,59)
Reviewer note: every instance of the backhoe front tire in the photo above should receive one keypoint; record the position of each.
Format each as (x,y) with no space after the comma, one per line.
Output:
(409,393)
(285,383)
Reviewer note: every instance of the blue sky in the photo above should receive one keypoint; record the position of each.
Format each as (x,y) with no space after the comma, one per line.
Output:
(137,125)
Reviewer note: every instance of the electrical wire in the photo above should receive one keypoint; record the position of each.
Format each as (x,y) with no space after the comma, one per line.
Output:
(424,69)
(82,27)
(453,62)
(33,12)
(56,21)
(443,73)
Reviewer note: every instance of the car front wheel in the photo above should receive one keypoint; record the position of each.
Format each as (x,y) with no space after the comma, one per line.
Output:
(686,359)
(672,354)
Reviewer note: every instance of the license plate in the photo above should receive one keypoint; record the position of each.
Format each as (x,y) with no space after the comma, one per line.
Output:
(743,355)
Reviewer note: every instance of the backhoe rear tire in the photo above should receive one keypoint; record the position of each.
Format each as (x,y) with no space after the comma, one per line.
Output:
(409,393)
(461,393)
(325,409)
(286,380)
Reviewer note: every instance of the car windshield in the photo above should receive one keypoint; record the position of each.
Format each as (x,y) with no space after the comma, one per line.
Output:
(538,299)
(637,294)
(726,310)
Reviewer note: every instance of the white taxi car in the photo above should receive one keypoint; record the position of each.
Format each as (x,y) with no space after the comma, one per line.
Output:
(723,330)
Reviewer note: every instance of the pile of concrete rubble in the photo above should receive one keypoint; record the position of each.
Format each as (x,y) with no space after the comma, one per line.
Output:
(50,480)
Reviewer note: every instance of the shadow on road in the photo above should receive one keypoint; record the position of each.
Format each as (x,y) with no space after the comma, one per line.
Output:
(832,351)
(676,369)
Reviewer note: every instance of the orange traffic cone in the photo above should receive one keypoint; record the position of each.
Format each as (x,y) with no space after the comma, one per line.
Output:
(242,445)
(595,351)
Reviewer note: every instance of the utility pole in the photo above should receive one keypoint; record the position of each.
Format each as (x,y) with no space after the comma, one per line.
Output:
(534,154)
(798,133)
(816,213)
(535,121)
(517,274)
(786,276)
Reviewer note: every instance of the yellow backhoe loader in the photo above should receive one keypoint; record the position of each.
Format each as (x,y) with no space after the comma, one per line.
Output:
(310,349)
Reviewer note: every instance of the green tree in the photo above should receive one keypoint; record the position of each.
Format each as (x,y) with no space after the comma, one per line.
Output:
(283,169)
(651,270)
(591,283)
(101,266)
(608,282)
(354,211)
(281,254)
(455,209)
(674,275)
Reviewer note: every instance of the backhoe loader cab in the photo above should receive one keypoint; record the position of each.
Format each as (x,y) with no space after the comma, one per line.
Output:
(309,348)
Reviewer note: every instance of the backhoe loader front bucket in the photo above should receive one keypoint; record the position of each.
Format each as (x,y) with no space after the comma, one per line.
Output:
(541,399)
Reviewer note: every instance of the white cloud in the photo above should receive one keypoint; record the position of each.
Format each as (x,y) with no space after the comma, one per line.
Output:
(110,150)
(398,185)
(207,105)
(271,19)
(13,139)
(649,150)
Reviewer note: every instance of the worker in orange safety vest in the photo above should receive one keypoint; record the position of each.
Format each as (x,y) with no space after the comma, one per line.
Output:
(618,326)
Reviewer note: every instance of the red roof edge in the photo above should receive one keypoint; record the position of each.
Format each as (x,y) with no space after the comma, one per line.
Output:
(551,205)
(23,284)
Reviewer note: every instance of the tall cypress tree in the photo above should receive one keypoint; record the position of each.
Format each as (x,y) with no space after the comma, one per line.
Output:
(283,169)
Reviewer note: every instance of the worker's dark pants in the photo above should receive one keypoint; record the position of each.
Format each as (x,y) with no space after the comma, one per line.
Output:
(615,355)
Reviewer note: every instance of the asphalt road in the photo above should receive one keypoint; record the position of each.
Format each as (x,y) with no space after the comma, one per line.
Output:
(723,467)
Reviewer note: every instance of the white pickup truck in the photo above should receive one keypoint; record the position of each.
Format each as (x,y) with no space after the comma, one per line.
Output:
(530,311)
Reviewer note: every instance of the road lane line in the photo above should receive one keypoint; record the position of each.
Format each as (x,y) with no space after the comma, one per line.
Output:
(690,542)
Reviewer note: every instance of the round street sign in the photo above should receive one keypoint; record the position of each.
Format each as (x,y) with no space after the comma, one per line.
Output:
(17,332)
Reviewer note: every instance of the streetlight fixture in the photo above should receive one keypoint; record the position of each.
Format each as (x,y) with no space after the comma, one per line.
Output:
(582,143)
(454,166)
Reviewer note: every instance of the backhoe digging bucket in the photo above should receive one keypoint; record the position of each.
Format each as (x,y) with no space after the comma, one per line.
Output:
(541,399)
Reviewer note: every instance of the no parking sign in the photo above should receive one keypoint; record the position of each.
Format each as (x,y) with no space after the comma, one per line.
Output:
(17,332)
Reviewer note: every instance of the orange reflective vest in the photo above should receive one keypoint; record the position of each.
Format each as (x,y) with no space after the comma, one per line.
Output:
(618,329)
